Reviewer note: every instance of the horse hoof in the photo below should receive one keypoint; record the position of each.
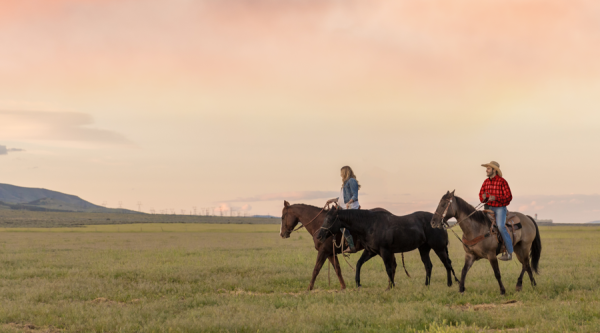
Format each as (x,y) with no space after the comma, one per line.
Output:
(502,292)
(519,288)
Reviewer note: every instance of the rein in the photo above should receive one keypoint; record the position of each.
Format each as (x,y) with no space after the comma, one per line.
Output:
(473,241)
(311,221)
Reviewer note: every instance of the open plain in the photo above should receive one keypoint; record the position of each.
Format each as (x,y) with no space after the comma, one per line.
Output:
(244,278)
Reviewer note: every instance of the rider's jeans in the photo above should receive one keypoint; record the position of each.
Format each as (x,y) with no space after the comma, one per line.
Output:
(501,222)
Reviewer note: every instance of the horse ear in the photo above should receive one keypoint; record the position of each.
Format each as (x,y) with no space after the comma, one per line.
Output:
(447,192)
(285,203)
(453,192)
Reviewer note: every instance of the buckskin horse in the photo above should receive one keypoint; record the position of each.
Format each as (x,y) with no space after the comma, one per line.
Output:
(478,242)
(312,218)
(384,234)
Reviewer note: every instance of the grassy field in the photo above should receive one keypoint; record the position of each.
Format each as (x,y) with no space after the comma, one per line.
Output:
(244,278)
(30,219)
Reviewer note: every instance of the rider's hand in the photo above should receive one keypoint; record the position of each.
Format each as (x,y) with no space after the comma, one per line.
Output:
(347,205)
(492,198)
(483,196)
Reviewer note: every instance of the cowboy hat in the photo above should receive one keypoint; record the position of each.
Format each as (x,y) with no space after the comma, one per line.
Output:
(494,165)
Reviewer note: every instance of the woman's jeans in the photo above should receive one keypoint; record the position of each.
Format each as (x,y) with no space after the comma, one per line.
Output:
(501,222)
(349,239)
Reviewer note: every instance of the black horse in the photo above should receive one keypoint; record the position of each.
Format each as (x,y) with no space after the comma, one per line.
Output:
(384,234)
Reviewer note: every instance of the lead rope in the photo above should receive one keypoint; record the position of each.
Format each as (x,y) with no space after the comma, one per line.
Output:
(405,271)
(341,247)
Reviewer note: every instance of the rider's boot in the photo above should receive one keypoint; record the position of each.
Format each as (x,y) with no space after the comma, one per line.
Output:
(506,256)
(350,248)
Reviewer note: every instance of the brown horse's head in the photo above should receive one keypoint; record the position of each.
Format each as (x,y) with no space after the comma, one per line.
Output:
(288,221)
(331,225)
(439,217)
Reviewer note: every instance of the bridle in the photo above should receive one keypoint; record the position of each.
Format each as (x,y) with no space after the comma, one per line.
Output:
(447,226)
(302,224)
(337,217)
(443,215)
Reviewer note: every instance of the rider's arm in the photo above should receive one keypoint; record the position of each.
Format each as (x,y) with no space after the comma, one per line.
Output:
(332,200)
(482,192)
(354,189)
(504,195)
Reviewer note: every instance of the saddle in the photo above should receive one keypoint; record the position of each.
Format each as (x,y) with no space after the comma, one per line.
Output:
(513,225)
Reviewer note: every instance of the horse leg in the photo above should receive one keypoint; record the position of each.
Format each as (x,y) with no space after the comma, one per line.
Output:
(424,251)
(522,253)
(525,254)
(530,272)
(524,263)
(338,270)
(395,265)
(443,255)
(388,258)
(366,255)
(494,263)
(469,260)
(321,257)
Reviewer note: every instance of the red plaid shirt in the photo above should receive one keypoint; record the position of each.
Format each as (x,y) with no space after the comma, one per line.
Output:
(497,187)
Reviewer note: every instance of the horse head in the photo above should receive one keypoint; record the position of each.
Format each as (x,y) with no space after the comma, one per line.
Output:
(288,221)
(331,225)
(439,217)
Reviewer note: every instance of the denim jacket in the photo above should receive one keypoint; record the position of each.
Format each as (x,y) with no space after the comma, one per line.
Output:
(350,190)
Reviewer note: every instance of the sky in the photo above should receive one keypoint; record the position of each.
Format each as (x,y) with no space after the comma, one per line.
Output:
(237,105)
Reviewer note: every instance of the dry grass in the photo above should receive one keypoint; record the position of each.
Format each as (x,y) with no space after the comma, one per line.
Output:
(29,219)
(244,278)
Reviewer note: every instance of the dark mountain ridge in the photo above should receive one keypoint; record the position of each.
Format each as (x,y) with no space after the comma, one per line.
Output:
(39,199)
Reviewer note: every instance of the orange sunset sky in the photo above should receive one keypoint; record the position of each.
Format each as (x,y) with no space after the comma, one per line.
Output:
(241,104)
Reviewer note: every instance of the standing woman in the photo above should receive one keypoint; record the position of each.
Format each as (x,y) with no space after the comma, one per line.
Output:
(348,199)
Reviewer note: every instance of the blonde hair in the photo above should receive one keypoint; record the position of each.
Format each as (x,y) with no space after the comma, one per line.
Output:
(347,173)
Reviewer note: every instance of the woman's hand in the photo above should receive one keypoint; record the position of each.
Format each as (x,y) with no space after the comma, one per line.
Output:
(330,201)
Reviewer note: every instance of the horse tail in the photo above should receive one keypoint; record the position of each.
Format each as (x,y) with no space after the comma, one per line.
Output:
(536,248)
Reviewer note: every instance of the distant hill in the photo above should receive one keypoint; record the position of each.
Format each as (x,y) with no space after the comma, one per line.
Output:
(39,199)
(594,222)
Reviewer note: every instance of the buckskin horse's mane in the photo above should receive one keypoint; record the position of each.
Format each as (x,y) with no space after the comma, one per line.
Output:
(478,217)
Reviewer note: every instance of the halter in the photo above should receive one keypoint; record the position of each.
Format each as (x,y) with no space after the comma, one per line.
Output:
(302,224)
(458,222)
(327,229)
(446,209)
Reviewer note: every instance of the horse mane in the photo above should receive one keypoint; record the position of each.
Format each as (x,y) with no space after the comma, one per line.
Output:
(479,217)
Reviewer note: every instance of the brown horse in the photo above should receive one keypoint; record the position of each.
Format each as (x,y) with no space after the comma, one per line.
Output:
(312,218)
(479,242)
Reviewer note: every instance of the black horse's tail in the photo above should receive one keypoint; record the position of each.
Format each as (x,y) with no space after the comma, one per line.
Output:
(536,248)
(450,262)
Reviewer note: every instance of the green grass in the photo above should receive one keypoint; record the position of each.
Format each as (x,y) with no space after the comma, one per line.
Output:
(245,278)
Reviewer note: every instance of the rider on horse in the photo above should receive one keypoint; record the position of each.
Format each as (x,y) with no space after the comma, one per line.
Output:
(496,194)
(348,199)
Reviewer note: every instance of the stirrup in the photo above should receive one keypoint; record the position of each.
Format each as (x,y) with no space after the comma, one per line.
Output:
(349,250)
